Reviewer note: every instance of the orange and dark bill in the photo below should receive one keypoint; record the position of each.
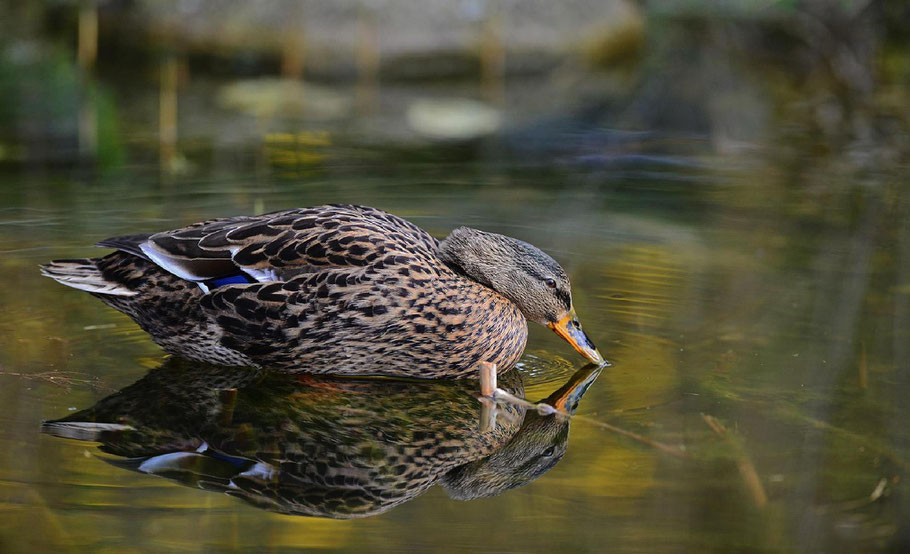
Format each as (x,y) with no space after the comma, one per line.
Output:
(570,329)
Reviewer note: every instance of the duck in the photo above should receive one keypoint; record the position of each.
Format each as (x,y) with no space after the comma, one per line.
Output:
(334,289)
(324,445)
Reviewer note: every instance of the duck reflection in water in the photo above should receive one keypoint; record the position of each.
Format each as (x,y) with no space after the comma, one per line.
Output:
(323,446)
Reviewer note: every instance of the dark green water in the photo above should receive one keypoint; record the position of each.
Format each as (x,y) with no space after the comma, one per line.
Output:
(781,313)
(740,252)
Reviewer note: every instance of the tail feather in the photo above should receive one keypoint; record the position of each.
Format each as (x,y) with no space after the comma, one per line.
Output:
(83,430)
(131,244)
(83,274)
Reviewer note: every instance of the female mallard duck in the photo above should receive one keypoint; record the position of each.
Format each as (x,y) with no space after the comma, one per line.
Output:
(323,446)
(333,289)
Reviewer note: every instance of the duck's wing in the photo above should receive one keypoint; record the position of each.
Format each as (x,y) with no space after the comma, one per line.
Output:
(282,245)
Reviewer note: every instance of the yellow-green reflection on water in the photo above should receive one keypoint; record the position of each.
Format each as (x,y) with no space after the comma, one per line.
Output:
(788,324)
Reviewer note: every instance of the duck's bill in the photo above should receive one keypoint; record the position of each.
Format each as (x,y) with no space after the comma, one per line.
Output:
(568,396)
(570,329)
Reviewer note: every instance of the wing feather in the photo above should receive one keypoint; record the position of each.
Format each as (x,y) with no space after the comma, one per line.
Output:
(281,245)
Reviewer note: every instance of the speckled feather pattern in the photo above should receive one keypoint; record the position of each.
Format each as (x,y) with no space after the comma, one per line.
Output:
(349,290)
(330,448)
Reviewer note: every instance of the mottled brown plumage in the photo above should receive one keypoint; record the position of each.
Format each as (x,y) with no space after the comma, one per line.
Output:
(330,289)
(319,445)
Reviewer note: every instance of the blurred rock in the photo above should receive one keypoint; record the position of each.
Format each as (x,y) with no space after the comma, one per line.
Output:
(432,38)
(268,97)
(453,119)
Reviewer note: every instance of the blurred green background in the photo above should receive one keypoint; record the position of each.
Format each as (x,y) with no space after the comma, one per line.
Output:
(725,182)
(238,85)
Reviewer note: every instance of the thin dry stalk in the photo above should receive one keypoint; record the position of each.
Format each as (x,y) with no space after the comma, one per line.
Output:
(65,379)
(546,409)
(743,463)
(663,447)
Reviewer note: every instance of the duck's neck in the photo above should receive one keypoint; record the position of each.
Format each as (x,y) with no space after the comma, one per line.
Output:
(471,253)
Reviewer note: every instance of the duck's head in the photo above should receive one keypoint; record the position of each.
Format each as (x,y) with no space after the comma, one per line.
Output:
(533,281)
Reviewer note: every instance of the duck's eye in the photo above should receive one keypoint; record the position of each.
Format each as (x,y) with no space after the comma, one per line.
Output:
(551,282)
(548,452)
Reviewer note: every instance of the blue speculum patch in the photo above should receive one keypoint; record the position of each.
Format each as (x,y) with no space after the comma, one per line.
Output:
(238,279)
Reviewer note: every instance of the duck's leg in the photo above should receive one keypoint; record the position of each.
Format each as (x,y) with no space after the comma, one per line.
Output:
(487,378)
(488,409)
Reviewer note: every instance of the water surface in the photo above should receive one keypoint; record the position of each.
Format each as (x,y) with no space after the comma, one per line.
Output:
(727,194)
(721,293)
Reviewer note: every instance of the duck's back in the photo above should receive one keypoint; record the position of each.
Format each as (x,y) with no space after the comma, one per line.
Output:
(328,289)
